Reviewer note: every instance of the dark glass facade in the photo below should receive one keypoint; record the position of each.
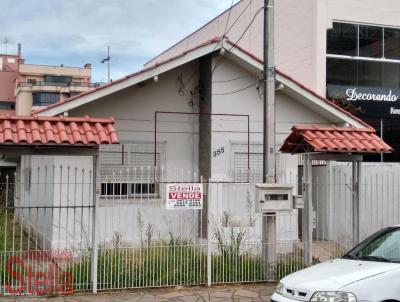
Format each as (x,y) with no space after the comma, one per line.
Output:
(362,72)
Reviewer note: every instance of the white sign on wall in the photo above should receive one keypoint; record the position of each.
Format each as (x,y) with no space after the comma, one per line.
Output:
(184,196)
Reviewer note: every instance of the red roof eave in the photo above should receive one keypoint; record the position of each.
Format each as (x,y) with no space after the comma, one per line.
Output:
(57,130)
(214,40)
(332,139)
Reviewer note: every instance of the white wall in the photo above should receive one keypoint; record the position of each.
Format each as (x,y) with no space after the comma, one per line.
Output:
(332,200)
(133,110)
(229,130)
(49,184)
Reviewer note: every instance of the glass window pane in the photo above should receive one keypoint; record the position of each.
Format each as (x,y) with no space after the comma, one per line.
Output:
(342,39)
(391,75)
(371,41)
(369,73)
(341,72)
(392,43)
(45,98)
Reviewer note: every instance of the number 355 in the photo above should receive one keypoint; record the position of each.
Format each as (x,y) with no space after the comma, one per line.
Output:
(218,152)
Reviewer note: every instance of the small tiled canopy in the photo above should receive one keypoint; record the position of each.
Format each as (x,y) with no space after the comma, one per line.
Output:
(332,139)
(56,131)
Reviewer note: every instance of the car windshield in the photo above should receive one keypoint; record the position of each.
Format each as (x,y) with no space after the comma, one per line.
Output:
(383,246)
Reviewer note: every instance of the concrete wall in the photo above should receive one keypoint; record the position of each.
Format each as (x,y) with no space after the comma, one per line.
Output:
(8,75)
(332,200)
(47,184)
(39,70)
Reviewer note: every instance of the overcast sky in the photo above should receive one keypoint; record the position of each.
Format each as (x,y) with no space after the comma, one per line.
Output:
(75,32)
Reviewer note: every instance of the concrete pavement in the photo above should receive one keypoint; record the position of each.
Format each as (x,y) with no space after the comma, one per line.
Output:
(237,293)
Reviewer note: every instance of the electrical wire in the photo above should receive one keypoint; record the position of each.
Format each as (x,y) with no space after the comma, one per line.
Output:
(235,91)
(235,79)
(243,11)
(229,51)
(225,33)
(227,20)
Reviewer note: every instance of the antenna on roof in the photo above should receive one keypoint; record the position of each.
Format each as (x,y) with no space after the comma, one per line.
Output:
(107,59)
(6,43)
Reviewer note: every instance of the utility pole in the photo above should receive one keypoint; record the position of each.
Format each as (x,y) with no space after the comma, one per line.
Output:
(107,59)
(269,95)
(269,219)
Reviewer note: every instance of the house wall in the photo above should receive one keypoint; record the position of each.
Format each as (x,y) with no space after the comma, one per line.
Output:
(47,185)
(228,131)
(35,181)
(134,111)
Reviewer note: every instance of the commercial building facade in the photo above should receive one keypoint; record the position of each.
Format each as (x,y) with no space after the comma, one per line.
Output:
(346,50)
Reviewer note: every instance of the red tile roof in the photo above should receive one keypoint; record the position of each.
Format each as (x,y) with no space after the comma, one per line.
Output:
(307,139)
(214,40)
(34,130)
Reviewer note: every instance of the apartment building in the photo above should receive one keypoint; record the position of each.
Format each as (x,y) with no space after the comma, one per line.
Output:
(27,87)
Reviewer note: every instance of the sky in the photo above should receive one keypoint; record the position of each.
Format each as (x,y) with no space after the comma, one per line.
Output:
(75,32)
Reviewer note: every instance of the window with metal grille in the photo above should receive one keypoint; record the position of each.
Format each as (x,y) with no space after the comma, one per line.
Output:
(241,159)
(131,169)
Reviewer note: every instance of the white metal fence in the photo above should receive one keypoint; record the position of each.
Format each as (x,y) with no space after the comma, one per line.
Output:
(47,214)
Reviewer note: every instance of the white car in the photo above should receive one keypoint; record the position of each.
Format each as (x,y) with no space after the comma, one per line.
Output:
(369,272)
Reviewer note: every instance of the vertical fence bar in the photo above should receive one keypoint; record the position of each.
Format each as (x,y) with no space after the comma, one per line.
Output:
(356,201)
(94,237)
(209,258)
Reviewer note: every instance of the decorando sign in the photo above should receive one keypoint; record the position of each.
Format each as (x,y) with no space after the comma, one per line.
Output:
(374,102)
(184,196)
(354,95)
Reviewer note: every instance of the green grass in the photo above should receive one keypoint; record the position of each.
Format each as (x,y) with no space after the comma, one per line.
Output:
(180,264)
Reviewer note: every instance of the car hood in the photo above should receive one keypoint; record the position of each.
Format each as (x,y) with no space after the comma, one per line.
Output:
(335,274)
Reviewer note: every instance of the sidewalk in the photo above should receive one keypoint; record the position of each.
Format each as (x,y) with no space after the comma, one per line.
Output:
(237,293)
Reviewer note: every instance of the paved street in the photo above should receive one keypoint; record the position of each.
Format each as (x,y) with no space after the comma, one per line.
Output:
(237,293)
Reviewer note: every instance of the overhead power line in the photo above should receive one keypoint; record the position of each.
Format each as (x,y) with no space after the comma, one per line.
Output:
(228,52)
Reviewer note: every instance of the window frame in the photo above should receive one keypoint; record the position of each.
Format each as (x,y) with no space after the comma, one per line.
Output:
(129,179)
(358,57)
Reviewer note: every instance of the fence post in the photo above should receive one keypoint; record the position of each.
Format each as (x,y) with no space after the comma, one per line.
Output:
(94,213)
(356,165)
(209,258)
(307,217)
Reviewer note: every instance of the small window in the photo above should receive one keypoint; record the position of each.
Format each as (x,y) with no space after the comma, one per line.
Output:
(242,159)
(7,106)
(392,43)
(45,98)
(341,71)
(369,73)
(371,41)
(342,39)
(131,169)
(31,81)
(57,80)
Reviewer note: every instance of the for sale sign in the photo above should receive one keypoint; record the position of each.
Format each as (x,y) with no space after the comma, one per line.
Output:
(184,196)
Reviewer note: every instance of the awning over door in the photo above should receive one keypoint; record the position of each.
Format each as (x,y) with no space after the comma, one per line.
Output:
(332,139)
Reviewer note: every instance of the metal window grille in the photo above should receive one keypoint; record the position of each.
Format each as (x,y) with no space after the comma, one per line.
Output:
(131,168)
(240,163)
